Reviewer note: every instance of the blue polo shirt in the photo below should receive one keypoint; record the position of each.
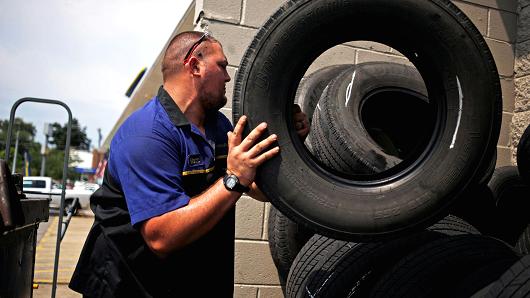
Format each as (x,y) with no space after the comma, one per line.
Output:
(159,159)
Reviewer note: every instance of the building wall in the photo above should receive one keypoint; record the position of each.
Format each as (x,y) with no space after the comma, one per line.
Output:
(235,22)
(521,118)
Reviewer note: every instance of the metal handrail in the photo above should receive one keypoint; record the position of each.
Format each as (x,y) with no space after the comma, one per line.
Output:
(65,169)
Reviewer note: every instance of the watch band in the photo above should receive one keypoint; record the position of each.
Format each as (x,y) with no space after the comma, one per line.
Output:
(237,187)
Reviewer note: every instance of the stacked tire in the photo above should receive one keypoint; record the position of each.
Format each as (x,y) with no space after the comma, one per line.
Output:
(360,207)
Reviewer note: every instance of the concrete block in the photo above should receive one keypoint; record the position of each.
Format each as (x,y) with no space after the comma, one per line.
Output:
(523,4)
(504,157)
(523,30)
(270,292)
(370,45)
(508,94)
(230,86)
(256,12)
(477,14)
(504,137)
(522,94)
(502,25)
(339,54)
(228,113)
(522,59)
(519,123)
(265,235)
(229,11)
(235,39)
(253,264)
(370,56)
(508,5)
(504,55)
(242,291)
(249,218)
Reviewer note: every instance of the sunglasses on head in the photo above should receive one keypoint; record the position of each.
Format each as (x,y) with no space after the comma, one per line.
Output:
(194,46)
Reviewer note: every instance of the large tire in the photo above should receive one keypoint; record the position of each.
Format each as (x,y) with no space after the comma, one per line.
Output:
(326,267)
(511,195)
(523,244)
(434,269)
(523,155)
(286,238)
(515,282)
(311,88)
(462,83)
(477,206)
(364,105)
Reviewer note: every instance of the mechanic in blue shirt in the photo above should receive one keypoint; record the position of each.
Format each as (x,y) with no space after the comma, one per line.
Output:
(164,216)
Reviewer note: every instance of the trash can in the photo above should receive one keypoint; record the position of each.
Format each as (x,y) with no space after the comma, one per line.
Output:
(19,221)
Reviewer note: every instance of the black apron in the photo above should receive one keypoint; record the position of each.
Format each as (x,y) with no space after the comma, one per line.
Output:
(116,261)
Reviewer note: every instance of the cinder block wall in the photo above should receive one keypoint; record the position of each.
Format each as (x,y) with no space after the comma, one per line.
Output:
(521,118)
(235,22)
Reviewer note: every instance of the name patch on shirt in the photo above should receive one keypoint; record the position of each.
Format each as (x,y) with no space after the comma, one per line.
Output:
(194,159)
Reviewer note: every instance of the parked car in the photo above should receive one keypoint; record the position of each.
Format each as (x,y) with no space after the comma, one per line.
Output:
(51,190)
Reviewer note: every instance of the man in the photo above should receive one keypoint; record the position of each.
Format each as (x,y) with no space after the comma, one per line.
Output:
(164,216)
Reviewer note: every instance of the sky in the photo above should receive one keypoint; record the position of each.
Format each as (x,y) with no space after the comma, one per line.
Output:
(85,53)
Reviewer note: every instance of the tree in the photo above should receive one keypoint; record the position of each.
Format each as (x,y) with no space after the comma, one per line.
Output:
(26,143)
(78,137)
(55,164)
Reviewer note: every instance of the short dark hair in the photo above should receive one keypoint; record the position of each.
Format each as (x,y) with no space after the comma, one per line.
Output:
(178,47)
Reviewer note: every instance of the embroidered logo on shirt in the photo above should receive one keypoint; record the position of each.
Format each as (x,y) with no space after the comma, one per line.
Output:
(194,159)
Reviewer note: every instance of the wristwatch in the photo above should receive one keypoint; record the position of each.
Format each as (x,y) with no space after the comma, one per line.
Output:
(231,183)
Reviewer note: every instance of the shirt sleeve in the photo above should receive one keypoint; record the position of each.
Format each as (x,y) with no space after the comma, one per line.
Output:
(149,171)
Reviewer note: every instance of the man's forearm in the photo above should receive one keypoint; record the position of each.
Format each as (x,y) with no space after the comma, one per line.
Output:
(180,227)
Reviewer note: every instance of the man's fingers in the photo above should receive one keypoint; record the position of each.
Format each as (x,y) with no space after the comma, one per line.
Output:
(259,147)
(238,130)
(253,136)
(296,109)
(301,116)
(266,156)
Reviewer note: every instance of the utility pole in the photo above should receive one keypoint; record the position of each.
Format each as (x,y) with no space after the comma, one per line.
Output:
(47,132)
(15,155)
(100,136)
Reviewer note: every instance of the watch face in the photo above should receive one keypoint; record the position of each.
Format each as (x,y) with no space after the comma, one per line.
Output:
(231,182)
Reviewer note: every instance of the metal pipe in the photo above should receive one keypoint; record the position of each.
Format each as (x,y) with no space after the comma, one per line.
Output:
(15,154)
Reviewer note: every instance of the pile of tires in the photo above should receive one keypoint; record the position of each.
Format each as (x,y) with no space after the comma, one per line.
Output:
(375,204)
(394,192)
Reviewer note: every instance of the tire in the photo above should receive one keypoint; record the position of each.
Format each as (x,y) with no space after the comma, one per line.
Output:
(482,277)
(286,238)
(477,207)
(311,88)
(523,244)
(358,134)
(326,267)
(515,282)
(466,126)
(523,155)
(434,269)
(510,193)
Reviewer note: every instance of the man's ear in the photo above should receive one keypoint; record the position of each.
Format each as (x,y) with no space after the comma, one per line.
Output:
(194,66)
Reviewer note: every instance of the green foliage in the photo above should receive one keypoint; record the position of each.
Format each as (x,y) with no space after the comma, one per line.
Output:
(78,139)
(55,156)
(55,163)
(26,142)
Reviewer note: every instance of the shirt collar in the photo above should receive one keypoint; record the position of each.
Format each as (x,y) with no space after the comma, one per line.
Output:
(175,114)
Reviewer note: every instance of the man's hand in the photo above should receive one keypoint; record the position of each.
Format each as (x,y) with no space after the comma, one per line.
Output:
(301,124)
(244,156)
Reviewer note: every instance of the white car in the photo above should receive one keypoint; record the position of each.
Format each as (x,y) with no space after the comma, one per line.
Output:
(41,186)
